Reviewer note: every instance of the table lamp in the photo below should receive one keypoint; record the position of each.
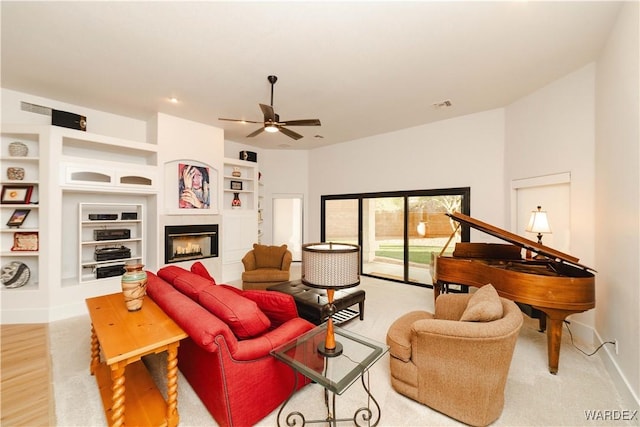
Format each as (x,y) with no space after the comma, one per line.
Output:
(330,266)
(538,223)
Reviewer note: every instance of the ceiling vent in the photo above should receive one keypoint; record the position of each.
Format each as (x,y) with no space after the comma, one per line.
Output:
(443,104)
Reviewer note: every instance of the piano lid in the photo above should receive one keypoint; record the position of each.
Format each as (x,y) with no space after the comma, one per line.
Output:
(516,240)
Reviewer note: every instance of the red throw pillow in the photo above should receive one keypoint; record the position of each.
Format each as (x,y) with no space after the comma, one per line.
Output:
(191,284)
(170,272)
(199,269)
(242,315)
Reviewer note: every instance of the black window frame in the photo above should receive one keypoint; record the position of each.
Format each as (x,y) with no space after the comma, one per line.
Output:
(465,208)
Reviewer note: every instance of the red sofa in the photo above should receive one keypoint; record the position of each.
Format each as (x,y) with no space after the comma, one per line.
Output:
(237,379)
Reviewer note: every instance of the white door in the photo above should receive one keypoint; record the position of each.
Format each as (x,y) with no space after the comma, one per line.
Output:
(555,198)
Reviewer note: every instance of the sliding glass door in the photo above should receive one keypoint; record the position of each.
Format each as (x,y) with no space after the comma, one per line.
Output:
(400,232)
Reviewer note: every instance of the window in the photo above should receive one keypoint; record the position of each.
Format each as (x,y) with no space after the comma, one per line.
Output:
(400,233)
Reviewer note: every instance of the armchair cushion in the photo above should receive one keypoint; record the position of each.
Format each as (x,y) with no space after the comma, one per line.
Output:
(483,306)
(242,315)
(269,256)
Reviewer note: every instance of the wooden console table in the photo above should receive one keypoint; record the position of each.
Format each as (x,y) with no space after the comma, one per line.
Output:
(129,396)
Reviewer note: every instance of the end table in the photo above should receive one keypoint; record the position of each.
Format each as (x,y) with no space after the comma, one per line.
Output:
(129,396)
(335,374)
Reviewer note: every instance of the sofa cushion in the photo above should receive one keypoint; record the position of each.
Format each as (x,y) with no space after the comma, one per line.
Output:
(199,269)
(483,306)
(191,284)
(242,315)
(269,256)
(170,272)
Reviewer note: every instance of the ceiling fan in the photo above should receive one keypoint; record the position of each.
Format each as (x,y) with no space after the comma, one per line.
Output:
(272,121)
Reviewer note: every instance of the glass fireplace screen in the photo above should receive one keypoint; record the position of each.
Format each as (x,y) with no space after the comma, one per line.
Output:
(190,242)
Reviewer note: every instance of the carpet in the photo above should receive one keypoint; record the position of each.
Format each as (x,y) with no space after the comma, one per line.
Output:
(533,397)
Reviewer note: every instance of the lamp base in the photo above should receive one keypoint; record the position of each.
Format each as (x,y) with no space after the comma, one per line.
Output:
(329,352)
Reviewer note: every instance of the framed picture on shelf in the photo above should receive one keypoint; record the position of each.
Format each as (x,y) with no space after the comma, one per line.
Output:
(17,217)
(16,194)
(25,242)
(236,185)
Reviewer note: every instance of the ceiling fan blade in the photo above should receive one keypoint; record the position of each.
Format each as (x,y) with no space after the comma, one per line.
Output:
(269,114)
(256,132)
(238,120)
(304,122)
(290,133)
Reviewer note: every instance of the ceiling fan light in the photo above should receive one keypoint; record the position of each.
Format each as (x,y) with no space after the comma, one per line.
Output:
(271,128)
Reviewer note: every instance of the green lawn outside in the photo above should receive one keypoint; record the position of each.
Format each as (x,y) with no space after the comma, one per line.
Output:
(417,254)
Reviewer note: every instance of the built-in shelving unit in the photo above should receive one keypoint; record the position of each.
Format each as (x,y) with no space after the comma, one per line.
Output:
(100,175)
(243,184)
(110,236)
(239,225)
(20,152)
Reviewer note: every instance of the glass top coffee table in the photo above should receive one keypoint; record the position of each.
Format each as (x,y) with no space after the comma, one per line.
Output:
(335,374)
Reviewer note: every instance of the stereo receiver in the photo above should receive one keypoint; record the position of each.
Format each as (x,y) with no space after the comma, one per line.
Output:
(112,234)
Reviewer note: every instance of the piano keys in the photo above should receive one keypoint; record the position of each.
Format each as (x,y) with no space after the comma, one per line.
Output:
(550,287)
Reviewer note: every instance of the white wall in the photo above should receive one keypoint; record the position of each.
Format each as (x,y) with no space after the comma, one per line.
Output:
(283,172)
(466,151)
(98,122)
(617,207)
(551,131)
(194,143)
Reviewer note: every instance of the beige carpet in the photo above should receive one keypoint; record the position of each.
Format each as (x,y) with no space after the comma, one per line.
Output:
(533,396)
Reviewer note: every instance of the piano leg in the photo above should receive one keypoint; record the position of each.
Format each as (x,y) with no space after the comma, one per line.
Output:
(555,321)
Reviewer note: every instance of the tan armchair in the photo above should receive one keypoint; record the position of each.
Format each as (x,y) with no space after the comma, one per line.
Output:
(265,266)
(457,367)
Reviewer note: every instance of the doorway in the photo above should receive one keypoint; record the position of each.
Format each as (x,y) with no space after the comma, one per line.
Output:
(287,223)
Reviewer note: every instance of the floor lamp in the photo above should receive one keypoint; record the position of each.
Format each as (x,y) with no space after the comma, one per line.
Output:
(330,266)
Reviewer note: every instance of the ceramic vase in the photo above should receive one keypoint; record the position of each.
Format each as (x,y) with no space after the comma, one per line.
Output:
(16,174)
(18,149)
(236,203)
(134,286)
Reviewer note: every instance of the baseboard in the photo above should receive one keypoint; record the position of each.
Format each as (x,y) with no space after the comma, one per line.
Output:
(62,312)
(617,376)
(16,316)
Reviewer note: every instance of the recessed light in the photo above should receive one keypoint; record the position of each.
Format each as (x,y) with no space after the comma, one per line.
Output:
(173,100)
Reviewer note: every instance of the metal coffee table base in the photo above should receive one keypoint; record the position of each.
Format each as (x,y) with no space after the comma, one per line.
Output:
(364,414)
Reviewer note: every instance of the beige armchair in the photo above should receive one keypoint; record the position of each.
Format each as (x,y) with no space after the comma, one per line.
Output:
(265,266)
(457,367)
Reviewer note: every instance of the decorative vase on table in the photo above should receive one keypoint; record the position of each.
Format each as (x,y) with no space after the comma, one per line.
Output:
(236,203)
(134,286)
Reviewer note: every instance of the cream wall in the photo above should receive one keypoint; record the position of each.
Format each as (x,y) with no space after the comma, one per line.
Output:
(98,122)
(466,151)
(551,131)
(617,197)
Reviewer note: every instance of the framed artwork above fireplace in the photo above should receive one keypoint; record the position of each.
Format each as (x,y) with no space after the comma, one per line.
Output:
(191,188)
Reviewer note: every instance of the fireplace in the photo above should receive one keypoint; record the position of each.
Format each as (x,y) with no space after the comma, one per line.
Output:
(190,242)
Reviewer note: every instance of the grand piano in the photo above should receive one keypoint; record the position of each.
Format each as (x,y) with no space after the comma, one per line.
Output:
(550,286)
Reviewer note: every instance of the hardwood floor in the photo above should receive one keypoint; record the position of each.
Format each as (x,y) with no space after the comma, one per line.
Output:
(26,383)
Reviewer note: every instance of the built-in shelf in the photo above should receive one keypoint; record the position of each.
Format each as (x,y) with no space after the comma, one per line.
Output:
(27,165)
(106,245)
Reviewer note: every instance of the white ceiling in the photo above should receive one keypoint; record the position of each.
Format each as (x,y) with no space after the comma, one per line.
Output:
(362,67)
